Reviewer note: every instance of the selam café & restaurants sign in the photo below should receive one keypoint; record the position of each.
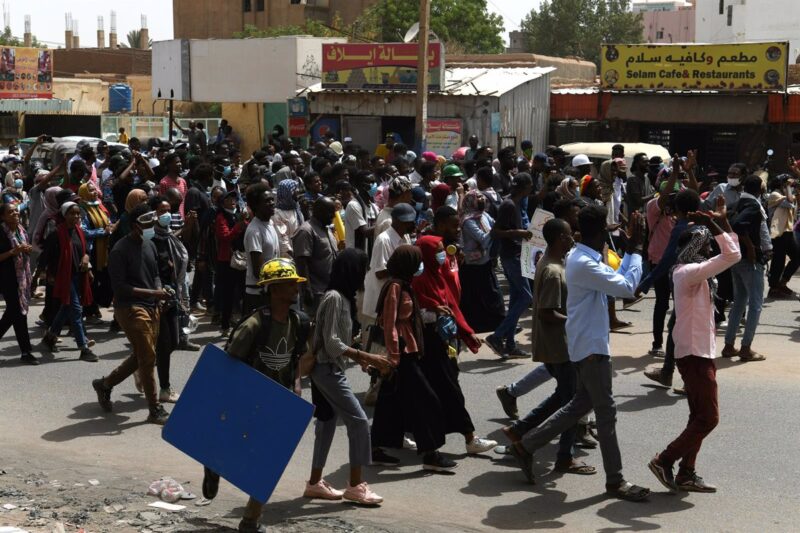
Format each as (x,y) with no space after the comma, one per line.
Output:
(26,73)
(717,67)
(379,66)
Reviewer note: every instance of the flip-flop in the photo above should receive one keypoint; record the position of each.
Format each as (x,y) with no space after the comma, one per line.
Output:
(579,468)
(754,357)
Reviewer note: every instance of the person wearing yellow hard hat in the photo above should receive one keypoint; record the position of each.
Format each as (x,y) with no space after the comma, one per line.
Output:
(271,340)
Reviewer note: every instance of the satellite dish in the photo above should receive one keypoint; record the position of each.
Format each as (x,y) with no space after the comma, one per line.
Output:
(412,32)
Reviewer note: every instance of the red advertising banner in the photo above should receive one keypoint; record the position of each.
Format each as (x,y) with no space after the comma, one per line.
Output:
(298,127)
(381,66)
(26,73)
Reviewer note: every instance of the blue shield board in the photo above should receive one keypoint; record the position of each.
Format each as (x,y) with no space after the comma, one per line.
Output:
(238,422)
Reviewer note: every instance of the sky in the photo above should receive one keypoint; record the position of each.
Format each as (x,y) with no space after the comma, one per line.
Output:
(47,17)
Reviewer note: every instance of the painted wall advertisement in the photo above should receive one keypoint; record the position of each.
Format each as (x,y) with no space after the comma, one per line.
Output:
(444,135)
(26,73)
(533,248)
(379,66)
(719,67)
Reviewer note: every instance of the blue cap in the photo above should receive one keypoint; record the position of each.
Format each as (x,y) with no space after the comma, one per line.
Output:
(540,157)
(404,213)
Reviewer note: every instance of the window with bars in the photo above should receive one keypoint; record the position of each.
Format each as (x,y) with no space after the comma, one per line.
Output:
(259,5)
(247,6)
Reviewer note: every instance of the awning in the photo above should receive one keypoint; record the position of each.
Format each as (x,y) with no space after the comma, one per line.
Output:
(680,109)
(36,105)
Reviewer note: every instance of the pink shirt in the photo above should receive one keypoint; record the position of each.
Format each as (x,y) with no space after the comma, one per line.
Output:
(660,229)
(694,331)
(168,183)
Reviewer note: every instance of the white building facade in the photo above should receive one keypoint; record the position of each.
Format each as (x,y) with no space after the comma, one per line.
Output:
(731,21)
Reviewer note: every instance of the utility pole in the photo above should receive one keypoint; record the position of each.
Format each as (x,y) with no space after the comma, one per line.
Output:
(422,74)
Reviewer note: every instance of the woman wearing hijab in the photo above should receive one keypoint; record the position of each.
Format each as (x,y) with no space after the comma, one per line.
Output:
(334,331)
(439,196)
(13,191)
(406,400)
(482,304)
(134,198)
(97,228)
(568,188)
(67,257)
(15,279)
(440,307)
(288,216)
(172,262)
(229,230)
(47,221)
(694,287)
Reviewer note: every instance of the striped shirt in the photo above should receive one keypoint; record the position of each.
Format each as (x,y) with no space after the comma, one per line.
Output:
(334,329)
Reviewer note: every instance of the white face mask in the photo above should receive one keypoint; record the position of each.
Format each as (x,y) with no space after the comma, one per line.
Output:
(733,182)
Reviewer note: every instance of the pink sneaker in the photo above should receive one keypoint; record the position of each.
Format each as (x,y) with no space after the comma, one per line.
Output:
(362,494)
(322,490)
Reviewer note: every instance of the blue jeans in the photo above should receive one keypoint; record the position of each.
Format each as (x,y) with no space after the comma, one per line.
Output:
(73,311)
(519,299)
(529,381)
(748,293)
(566,381)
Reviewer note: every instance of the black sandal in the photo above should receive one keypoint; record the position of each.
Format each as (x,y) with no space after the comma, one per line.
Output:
(629,492)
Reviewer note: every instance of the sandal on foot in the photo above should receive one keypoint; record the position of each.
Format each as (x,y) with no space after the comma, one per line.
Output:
(629,492)
(618,326)
(751,356)
(576,467)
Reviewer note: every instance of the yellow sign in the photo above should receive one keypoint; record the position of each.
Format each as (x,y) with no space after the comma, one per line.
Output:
(676,67)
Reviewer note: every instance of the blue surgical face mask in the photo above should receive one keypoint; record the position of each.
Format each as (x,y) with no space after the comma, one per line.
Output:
(420,270)
(341,214)
(148,233)
(419,206)
(226,171)
(17,184)
(441,257)
(164,220)
(373,190)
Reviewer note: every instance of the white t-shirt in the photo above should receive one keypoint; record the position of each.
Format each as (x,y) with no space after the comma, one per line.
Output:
(259,237)
(384,221)
(285,223)
(386,243)
(353,219)
(415,177)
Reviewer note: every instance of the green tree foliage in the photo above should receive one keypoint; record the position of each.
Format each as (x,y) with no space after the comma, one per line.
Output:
(466,24)
(578,27)
(7,39)
(133,40)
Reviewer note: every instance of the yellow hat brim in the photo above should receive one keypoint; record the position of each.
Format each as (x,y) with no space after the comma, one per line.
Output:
(296,279)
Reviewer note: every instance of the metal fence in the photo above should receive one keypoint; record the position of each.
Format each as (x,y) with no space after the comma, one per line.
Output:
(150,126)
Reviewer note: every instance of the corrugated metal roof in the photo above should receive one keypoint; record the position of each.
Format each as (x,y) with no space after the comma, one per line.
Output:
(575,90)
(36,105)
(469,81)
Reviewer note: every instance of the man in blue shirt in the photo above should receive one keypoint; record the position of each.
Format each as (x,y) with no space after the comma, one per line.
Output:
(589,284)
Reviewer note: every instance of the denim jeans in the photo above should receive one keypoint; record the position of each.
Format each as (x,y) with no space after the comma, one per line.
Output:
(593,391)
(669,354)
(72,311)
(519,299)
(661,287)
(529,381)
(565,377)
(748,293)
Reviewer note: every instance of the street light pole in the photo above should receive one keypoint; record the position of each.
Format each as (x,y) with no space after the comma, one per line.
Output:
(422,75)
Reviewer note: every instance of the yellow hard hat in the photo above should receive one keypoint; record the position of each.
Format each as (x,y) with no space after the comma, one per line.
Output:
(277,270)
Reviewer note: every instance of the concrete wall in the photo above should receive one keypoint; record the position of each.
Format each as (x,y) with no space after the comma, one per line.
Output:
(89,96)
(754,20)
(120,61)
(247,120)
(669,26)
(220,19)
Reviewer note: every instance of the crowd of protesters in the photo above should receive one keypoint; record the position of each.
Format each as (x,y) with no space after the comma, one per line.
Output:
(307,260)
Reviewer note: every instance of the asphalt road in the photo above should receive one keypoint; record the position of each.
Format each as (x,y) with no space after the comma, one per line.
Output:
(49,420)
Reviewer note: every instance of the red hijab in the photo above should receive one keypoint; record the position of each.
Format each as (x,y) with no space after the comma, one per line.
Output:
(439,196)
(62,289)
(432,289)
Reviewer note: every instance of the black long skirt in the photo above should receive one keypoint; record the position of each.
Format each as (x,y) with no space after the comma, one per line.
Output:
(408,403)
(481,299)
(442,374)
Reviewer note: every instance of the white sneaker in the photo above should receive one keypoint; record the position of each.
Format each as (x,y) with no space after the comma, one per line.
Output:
(168,396)
(409,444)
(480,445)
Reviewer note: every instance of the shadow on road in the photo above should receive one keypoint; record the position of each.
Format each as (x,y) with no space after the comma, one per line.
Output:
(95,422)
